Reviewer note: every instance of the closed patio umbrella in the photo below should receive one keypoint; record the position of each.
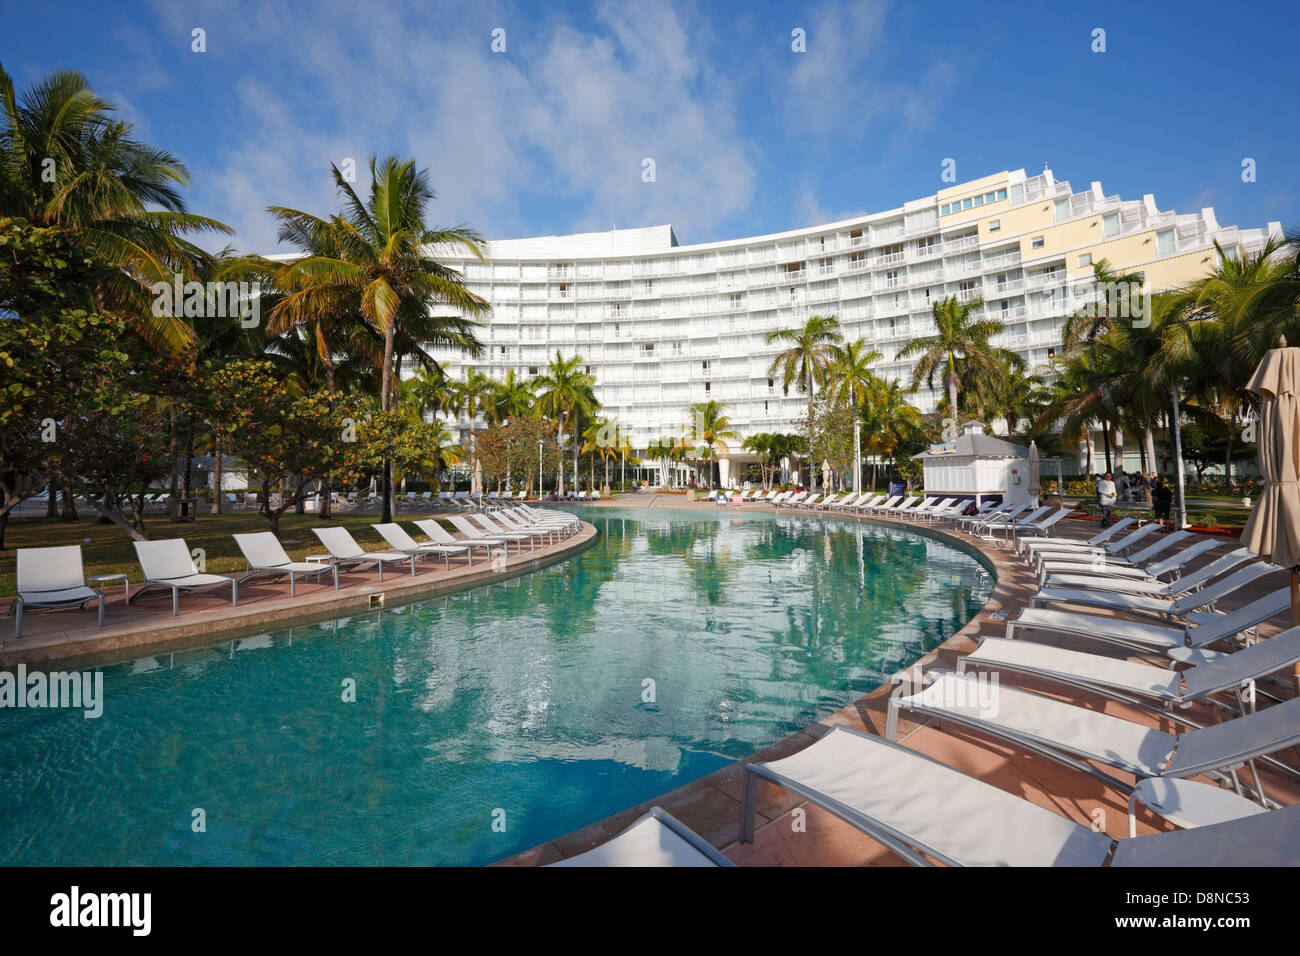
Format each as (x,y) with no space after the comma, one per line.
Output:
(1035,485)
(477,488)
(1273,529)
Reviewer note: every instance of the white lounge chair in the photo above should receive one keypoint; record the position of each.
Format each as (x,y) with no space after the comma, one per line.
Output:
(1101,556)
(167,565)
(562,523)
(1153,605)
(403,543)
(923,810)
(1078,737)
(53,578)
(656,839)
(1041,528)
(1182,641)
(1113,547)
(440,535)
(345,552)
(266,556)
(1134,585)
(1139,684)
(1093,543)
(493,530)
(1142,566)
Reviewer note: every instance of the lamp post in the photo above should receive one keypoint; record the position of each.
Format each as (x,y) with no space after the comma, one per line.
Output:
(857,457)
(539,469)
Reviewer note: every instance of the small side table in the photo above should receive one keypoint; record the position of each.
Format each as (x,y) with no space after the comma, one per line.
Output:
(104,578)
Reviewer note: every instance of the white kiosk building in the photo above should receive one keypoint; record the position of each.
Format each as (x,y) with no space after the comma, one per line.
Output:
(976,465)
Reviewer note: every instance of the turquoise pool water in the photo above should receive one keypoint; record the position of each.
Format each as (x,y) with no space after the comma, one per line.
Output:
(679,642)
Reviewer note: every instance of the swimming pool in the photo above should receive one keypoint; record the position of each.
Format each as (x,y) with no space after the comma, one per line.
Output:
(488,721)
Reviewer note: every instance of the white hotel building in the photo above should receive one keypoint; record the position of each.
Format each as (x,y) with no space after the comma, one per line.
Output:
(661,325)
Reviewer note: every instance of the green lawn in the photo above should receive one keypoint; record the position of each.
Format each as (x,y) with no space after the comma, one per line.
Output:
(106,549)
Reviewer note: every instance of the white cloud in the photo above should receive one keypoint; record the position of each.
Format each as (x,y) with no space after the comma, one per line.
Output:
(565,110)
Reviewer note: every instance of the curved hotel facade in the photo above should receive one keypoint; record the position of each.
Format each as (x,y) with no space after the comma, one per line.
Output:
(661,325)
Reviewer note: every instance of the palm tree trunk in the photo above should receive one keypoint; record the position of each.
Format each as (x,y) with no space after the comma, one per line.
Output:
(52,498)
(1105,440)
(385,400)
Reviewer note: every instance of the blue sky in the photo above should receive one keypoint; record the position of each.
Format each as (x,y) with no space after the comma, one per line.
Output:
(748,136)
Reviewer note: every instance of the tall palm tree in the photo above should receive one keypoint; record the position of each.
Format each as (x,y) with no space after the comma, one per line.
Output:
(711,427)
(960,345)
(565,392)
(386,268)
(810,353)
(849,374)
(66,162)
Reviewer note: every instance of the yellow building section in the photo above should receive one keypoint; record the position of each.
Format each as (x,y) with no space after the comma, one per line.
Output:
(1035,216)
(1175,271)
(974,188)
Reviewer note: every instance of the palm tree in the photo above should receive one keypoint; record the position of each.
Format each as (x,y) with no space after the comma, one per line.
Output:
(65,162)
(888,419)
(810,353)
(711,427)
(510,399)
(565,392)
(960,344)
(386,268)
(849,374)
(760,445)
(1097,318)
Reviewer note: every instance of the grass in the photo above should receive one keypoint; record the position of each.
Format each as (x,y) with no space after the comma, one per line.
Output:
(106,549)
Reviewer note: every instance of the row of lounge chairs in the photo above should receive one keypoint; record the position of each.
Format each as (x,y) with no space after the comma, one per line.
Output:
(50,578)
(1117,590)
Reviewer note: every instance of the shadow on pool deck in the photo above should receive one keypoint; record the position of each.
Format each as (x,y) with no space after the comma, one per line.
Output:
(711,805)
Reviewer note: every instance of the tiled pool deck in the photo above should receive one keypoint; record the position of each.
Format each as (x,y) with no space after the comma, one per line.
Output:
(711,805)
(70,635)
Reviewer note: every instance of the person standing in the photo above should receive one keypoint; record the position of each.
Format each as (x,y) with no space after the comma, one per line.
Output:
(1106,498)
(1162,497)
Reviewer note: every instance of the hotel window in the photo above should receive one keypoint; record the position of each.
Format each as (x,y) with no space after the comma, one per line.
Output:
(649,285)
(532,370)
(995,225)
(705,365)
(1061,209)
(1036,243)
(1085,259)
(708,387)
(1164,242)
(1110,225)
(765,406)
(1017,194)
(648,347)
(771,383)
